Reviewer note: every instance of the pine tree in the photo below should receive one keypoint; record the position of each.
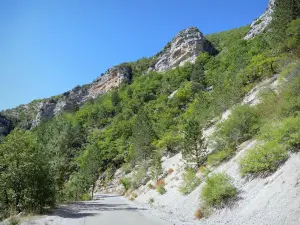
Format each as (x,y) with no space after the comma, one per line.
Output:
(156,164)
(143,135)
(194,143)
(115,99)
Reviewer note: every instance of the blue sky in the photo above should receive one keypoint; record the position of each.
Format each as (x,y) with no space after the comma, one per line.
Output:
(48,47)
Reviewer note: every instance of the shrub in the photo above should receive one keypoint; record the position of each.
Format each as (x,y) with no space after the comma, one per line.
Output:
(204,170)
(291,133)
(198,214)
(161,190)
(151,201)
(85,197)
(150,186)
(217,190)
(190,182)
(263,158)
(170,170)
(242,125)
(134,195)
(139,178)
(218,157)
(126,183)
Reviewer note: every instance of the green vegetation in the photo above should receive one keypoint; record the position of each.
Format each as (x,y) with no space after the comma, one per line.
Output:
(26,178)
(135,125)
(242,124)
(217,190)
(190,182)
(264,158)
(220,156)
(126,183)
(151,201)
(161,189)
(194,143)
(285,12)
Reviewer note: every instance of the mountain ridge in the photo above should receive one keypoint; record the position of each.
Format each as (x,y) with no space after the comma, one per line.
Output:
(184,47)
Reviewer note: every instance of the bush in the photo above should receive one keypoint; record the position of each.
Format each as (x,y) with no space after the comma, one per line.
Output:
(217,190)
(85,197)
(286,133)
(161,189)
(151,186)
(139,178)
(190,182)
(134,195)
(126,183)
(241,125)
(151,201)
(218,157)
(263,158)
(291,133)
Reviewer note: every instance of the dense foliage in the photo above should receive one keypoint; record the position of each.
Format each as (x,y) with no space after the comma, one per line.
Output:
(218,189)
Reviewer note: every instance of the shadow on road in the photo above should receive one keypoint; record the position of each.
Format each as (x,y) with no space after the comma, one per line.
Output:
(92,208)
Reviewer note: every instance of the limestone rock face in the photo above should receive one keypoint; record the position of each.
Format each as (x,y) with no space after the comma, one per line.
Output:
(68,101)
(71,100)
(184,47)
(259,25)
(113,77)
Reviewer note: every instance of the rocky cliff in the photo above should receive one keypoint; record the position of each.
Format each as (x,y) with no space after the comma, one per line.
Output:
(259,25)
(184,47)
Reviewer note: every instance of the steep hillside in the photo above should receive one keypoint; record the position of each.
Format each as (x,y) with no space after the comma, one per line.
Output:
(184,47)
(201,130)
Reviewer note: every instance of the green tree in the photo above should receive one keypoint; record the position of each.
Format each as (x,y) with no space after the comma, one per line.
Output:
(143,136)
(90,166)
(115,99)
(194,150)
(156,164)
(285,11)
(26,180)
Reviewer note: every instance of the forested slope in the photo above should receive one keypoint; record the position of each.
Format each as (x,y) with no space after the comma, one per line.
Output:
(136,123)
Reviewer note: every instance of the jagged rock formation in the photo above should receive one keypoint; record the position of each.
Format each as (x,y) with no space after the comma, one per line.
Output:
(184,47)
(110,79)
(67,102)
(259,25)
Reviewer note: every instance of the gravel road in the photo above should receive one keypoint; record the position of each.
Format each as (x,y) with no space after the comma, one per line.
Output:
(104,210)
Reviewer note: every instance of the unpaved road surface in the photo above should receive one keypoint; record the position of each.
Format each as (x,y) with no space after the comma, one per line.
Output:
(104,210)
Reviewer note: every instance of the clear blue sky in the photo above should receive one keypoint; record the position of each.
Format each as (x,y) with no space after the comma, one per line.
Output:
(49,46)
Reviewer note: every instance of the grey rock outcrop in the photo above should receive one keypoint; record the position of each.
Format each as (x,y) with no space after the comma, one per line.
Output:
(259,25)
(184,47)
